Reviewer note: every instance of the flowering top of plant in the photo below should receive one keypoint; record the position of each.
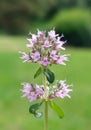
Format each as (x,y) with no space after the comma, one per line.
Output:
(45,49)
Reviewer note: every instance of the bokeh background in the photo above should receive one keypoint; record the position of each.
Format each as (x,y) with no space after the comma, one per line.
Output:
(17,19)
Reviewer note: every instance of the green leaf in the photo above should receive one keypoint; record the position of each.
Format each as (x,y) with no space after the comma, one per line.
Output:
(57,109)
(33,110)
(38,72)
(49,75)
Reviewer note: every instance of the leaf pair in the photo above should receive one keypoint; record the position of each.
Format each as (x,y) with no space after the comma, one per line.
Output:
(48,73)
(56,109)
(33,110)
(38,72)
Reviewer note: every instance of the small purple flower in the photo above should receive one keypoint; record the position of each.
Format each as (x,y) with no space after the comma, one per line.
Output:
(32,96)
(44,61)
(47,43)
(61,59)
(63,90)
(34,38)
(39,90)
(52,34)
(36,56)
(31,43)
(27,89)
(59,44)
(32,92)
(53,55)
(40,34)
(25,57)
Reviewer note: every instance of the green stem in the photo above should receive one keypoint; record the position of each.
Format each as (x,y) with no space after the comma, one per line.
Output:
(46,105)
(46,116)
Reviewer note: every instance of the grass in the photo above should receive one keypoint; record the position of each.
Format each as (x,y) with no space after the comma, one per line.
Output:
(14,110)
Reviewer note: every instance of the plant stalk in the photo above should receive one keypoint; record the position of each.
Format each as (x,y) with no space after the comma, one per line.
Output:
(46,116)
(46,105)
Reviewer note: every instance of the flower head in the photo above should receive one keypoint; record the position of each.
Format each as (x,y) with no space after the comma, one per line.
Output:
(45,49)
(34,92)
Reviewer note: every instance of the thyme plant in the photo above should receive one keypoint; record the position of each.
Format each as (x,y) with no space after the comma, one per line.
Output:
(45,49)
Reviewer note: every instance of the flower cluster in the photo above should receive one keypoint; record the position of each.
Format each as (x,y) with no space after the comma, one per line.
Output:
(34,92)
(45,49)
(60,90)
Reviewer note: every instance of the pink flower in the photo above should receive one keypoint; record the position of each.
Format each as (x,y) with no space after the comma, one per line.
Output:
(63,90)
(25,57)
(40,34)
(53,55)
(47,43)
(36,56)
(44,61)
(32,96)
(59,44)
(39,90)
(61,59)
(27,89)
(52,34)
(34,38)
(32,92)
(31,43)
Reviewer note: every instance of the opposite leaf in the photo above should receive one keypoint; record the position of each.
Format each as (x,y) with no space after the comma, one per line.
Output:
(57,109)
(49,75)
(33,108)
(38,72)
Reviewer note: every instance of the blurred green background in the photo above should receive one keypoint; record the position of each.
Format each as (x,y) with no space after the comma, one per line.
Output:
(71,17)
(17,19)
